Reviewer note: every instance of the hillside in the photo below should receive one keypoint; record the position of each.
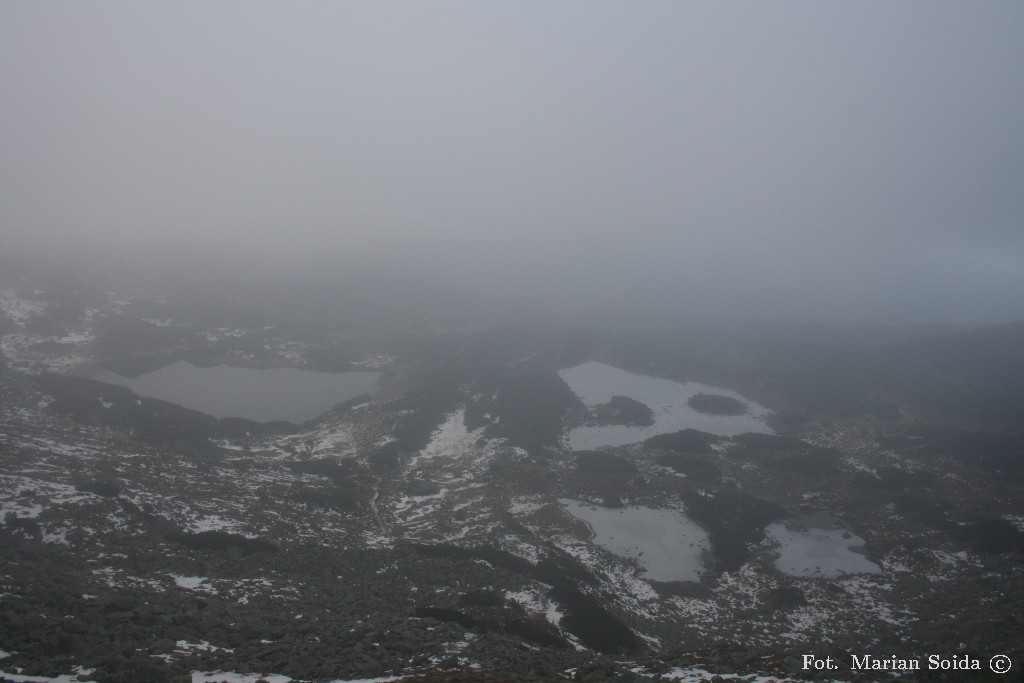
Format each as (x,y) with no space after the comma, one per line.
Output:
(428,529)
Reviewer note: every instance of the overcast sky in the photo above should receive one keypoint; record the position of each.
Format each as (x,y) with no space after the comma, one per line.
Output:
(858,161)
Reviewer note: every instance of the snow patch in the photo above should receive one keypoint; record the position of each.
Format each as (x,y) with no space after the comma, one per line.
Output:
(184,647)
(18,308)
(193,583)
(695,673)
(210,523)
(451,438)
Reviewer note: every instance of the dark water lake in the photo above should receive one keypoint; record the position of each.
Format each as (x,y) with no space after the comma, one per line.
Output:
(666,543)
(596,383)
(817,546)
(260,395)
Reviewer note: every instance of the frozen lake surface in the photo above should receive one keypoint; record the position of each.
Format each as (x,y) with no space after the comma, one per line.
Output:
(819,552)
(260,395)
(596,383)
(664,542)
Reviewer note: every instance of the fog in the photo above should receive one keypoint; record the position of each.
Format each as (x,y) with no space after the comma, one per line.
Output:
(839,162)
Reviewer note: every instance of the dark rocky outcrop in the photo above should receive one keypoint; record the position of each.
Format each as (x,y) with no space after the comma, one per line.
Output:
(693,466)
(785,453)
(570,582)
(716,404)
(599,462)
(622,410)
(221,541)
(733,520)
(683,441)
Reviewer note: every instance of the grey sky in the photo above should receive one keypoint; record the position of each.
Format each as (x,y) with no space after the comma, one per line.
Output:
(854,160)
